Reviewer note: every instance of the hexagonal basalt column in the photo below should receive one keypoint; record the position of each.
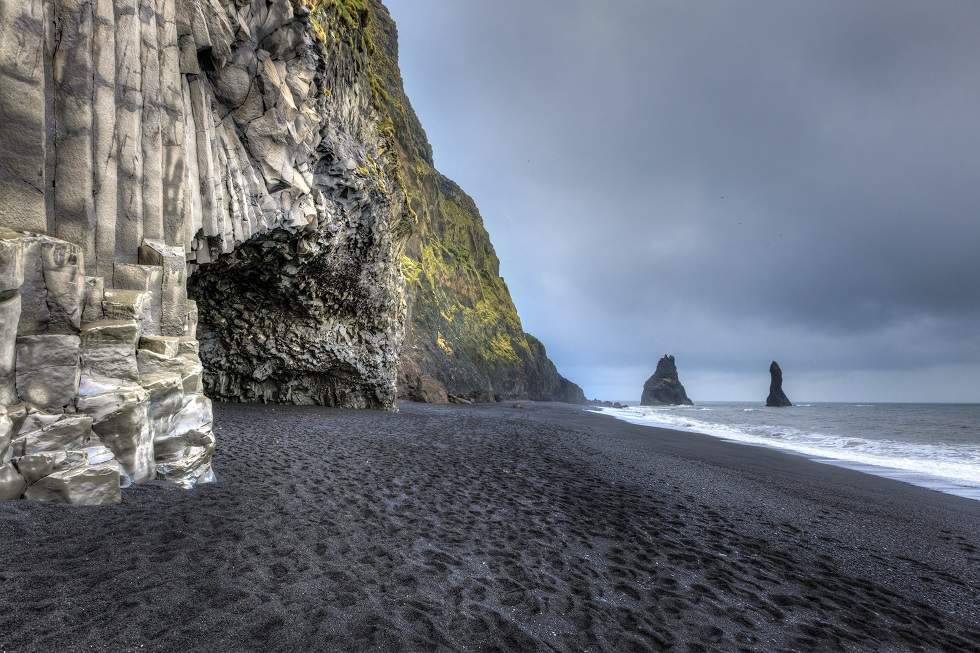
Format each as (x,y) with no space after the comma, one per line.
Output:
(47,371)
(86,408)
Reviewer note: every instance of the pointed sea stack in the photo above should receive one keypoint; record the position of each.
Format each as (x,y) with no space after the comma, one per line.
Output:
(777,398)
(664,387)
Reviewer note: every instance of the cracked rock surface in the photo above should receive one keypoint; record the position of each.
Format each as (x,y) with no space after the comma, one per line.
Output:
(226,198)
(151,147)
(307,308)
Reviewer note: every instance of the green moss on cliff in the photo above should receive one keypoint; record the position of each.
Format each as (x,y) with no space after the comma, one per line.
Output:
(336,21)
(352,12)
(458,291)
(464,330)
(411,270)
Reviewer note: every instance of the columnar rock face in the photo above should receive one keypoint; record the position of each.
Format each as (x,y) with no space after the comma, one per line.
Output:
(144,143)
(301,299)
(223,196)
(80,414)
(777,398)
(664,387)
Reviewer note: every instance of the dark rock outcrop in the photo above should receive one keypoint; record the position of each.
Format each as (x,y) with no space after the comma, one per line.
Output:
(311,310)
(415,385)
(602,403)
(251,166)
(463,331)
(314,311)
(142,142)
(664,388)
(777,398)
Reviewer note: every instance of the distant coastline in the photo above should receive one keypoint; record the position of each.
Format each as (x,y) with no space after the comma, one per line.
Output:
(936,446)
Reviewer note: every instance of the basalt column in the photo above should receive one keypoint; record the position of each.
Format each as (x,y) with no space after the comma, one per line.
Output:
(299,290)
(147,142)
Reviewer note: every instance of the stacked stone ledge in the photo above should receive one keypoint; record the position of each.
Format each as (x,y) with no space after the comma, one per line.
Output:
(142,141)
(93,395)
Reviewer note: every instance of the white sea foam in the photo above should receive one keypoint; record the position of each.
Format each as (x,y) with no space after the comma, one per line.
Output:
(949,467)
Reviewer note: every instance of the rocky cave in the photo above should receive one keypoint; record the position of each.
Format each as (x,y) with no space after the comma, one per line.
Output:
(155,149)
(227,199)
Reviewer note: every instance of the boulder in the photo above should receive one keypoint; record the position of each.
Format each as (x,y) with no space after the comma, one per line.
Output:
(602,403)
(12,484)
(188,346)
(39,351)
(166,346)
(33,467)
(32,420)
(194,415)
(17,414)
(47,371)
(85,485)
(36,466)
(173,283)
(664,387)
(185,459)
(53,288)
(183,454)
(64,282)
(34,314)
(11,260)
(431,391)
(777,398)
(190,319)
(142,278)
(426,389)
(94,296)
(173,446)
(129,305)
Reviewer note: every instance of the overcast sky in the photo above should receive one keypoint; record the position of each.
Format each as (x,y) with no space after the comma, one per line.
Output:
(728,181)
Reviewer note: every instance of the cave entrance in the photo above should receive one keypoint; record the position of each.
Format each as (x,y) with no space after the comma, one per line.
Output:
(282,319)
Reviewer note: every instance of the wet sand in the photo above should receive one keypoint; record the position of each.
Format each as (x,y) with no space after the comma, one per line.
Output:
(540,527)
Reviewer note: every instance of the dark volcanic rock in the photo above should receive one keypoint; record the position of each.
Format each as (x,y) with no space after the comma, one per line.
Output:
(418,386)
(463,330)
(311,311)
(602,403)
(664,387)
(777,397)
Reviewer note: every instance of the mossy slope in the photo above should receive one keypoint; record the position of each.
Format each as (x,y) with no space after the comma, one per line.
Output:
(463,330)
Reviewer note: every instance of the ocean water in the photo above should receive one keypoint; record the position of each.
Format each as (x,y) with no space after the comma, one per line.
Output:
(932,445)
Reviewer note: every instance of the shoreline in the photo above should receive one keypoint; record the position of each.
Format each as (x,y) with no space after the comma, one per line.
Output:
(826,457)
(510,526)
(677,441)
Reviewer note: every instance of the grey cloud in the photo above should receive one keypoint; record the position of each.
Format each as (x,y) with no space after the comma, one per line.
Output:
(730,181)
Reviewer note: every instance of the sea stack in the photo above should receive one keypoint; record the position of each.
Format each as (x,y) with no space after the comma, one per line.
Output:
(777,398)
(664,388)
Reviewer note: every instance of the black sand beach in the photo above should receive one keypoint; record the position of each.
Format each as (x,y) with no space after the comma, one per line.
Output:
(493,528)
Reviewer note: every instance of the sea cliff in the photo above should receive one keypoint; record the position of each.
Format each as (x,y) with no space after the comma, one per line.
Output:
(464,338)
(231,200)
